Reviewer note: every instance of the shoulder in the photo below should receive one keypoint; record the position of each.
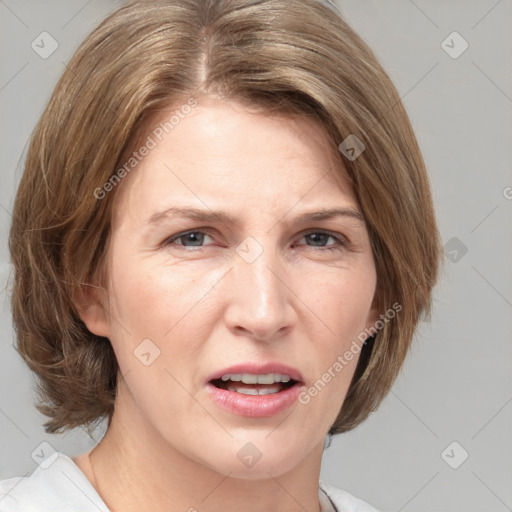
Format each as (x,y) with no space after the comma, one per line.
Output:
(344,501)
(56,486)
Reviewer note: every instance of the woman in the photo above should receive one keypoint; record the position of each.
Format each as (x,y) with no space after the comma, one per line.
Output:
(223,241)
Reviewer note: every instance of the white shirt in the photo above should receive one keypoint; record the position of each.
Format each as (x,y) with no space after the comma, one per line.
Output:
(62,487)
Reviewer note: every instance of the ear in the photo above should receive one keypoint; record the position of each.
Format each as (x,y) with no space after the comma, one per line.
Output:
(91,304)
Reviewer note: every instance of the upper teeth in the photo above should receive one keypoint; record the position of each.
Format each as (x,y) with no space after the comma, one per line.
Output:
(249,378)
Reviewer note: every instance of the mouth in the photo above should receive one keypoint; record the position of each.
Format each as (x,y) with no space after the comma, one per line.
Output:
(253,384)
(253,390)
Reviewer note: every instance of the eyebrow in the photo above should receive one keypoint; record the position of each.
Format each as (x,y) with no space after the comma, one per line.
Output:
(217,216)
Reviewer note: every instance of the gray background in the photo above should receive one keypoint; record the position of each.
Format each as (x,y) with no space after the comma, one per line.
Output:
(456,384)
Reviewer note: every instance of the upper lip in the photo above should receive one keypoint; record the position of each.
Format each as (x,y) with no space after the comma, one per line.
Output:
(258,369)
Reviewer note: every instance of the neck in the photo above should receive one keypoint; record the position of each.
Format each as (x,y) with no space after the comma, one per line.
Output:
(133,472)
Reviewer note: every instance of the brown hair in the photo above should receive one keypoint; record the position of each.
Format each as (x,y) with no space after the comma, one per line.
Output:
(282,56)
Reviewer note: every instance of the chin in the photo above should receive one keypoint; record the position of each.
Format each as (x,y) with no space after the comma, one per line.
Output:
(266,467)
(257,459)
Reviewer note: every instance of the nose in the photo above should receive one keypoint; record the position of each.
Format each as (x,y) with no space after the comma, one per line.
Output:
(260,302)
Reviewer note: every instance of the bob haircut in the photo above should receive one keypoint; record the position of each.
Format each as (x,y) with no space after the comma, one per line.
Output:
(281,57)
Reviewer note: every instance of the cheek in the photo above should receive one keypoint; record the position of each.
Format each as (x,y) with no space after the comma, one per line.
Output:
(340,310)
(170,305)
(341,301)
(157,320)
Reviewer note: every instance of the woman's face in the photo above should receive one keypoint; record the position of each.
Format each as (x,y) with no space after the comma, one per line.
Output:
(236,255)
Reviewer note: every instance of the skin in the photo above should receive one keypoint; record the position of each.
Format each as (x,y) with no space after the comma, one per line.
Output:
(300,302)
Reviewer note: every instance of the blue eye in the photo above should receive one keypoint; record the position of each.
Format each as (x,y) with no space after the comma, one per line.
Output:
(321,239)
(190,239)
(318,239)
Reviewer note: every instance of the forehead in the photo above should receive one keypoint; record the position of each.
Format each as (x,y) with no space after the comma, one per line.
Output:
(224,155)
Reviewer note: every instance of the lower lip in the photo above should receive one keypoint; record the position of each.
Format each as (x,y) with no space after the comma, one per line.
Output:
(254,406)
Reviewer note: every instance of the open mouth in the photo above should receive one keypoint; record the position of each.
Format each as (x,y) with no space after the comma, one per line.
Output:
(255,390)
(251,384)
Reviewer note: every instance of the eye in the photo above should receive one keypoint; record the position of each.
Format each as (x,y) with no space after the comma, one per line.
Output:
(189,239)
(324,240)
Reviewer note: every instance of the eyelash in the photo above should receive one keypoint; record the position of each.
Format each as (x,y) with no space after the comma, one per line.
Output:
(340,241)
